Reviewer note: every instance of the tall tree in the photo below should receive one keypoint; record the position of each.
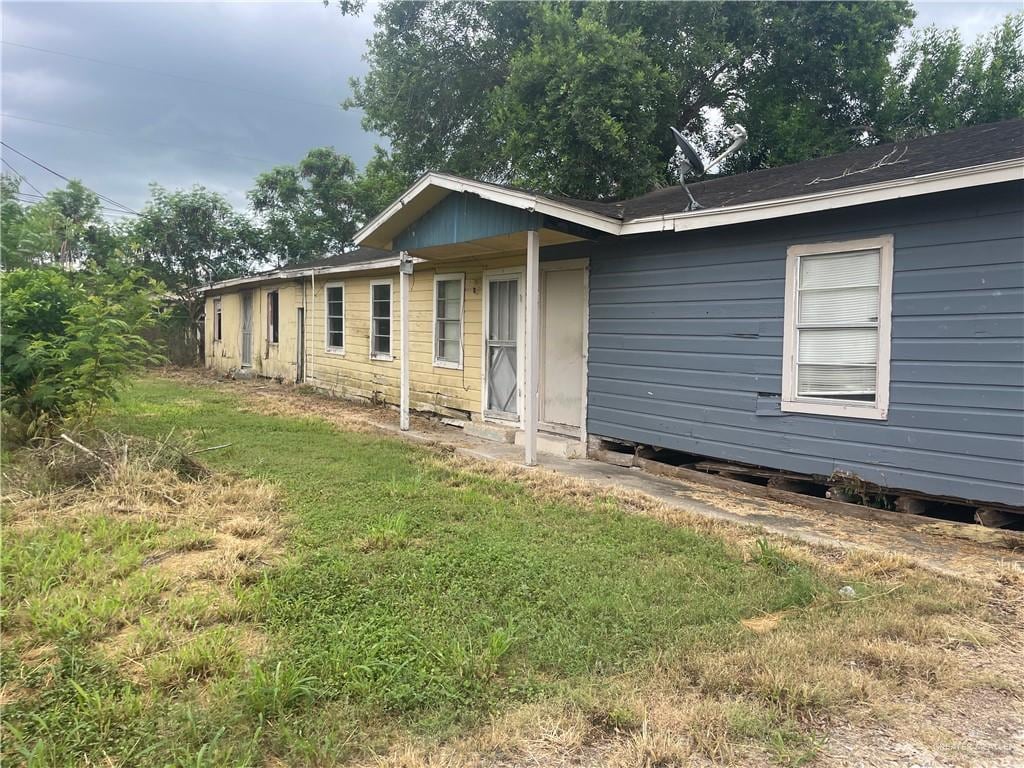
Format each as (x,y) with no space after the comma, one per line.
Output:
(314,209)
(938,83)
(65,228)
(576,98)
(188,239)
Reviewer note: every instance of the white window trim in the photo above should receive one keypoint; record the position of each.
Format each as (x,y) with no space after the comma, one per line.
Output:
(327,320)
(218,314)
(438,363)
(391,320)
(791,403)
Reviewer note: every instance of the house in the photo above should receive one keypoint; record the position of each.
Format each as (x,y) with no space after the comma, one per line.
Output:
(860,315)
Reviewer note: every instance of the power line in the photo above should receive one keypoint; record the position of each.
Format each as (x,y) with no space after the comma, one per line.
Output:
(65,178)
(122,137)
(31,198)
(20,175)
(136,68)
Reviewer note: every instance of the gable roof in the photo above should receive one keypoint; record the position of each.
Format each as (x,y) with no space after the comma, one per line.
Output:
(982,154)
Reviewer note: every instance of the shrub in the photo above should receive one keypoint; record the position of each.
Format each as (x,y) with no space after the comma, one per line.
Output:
(71,341)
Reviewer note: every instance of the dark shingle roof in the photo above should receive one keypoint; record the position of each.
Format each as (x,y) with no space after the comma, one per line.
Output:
(358,256)
(977,145)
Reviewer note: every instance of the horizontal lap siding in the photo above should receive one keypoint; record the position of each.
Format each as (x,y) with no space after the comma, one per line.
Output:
(431,387)
(273,360)
(686,346)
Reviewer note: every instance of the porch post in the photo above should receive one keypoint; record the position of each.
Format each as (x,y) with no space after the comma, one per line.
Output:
(404,272)
(531,378)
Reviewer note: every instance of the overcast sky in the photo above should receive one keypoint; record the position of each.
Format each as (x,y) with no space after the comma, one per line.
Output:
(122,94)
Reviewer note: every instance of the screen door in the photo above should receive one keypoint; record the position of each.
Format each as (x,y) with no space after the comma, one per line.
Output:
(502,346)
(247,330)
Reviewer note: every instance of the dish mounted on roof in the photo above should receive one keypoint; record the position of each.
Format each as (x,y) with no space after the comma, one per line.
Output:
(691,160)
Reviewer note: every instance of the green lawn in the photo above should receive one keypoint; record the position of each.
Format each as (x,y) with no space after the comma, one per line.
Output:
(412,599)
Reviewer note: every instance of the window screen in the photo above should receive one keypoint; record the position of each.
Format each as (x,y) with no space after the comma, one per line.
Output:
(837,326)
(380,299)
(448,325)
(336,317)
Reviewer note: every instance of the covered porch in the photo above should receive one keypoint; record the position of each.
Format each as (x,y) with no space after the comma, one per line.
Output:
(533,307)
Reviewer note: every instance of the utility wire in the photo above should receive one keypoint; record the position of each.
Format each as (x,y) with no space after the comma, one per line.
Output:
(122,137)
(20,175)
(172,75)
(65,178)
(31,198)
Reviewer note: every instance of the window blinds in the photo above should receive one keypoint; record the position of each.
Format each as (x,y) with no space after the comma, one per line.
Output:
(837,325)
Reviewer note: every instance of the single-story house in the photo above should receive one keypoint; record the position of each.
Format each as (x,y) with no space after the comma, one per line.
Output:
(861,314)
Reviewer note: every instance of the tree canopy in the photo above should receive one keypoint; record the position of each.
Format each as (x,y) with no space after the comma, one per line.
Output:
(310,210)
(576,98)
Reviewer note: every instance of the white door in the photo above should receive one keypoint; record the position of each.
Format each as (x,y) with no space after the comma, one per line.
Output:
(564,308)
(502,338)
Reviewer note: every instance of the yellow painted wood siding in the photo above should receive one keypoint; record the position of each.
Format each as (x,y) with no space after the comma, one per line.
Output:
(431,387)
(273,360)
(353,373)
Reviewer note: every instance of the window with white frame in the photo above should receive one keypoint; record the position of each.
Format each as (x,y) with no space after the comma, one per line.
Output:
(380,320)
(218,324)
(334,310)
(448,321)
(837,328)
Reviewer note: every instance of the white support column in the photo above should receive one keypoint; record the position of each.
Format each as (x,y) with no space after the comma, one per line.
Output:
(405,274)
(531,377)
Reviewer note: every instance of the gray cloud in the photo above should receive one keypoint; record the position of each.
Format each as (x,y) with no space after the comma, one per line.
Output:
(267,81)
(273,75)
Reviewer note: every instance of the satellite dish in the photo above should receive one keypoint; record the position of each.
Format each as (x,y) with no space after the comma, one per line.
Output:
(691,160)
(689,154)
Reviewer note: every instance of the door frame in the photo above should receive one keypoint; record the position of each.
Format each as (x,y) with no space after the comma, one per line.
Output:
(300,345)
(496,275)
(567,265)
(251,296)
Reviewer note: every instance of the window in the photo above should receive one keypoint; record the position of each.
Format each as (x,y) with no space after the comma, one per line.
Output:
(273,319)
(837,334)
(448,321)
(380,320)
(218,326)
(335,312)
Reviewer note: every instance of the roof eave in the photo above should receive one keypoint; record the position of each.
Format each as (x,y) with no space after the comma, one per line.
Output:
(298,273)
(378,234)
(911,186)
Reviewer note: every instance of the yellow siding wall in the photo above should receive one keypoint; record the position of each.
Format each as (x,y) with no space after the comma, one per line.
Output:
(354,373)
(431,388)
(273,360)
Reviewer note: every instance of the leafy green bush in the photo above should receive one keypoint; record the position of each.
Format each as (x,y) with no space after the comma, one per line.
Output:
(70,341)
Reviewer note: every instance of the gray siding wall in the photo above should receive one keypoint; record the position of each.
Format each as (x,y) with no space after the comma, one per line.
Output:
(686,346)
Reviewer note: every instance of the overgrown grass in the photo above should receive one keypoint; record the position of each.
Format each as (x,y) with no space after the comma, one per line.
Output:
(420,599)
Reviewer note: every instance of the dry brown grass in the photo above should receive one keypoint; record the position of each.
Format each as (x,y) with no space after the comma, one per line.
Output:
(215,530)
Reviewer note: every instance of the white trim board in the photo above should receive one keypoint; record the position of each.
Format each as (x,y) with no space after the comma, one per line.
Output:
(434,186)
(943,181)
(340,351)
(391,321)
(790,401)
(435,361)
(380,231)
